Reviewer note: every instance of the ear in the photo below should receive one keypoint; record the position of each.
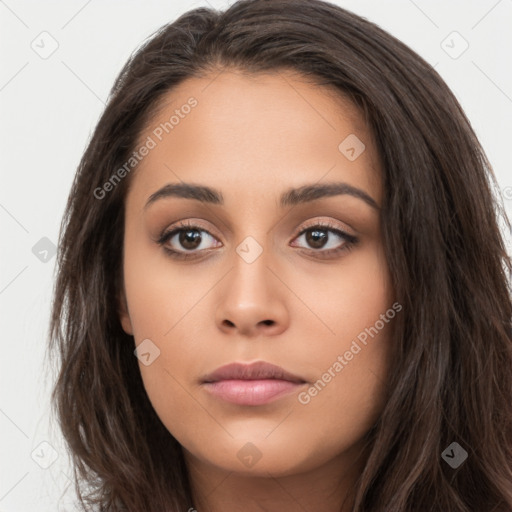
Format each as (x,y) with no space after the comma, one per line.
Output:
(124,315)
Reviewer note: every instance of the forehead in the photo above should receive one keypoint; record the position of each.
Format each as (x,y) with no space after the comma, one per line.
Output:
(251,133)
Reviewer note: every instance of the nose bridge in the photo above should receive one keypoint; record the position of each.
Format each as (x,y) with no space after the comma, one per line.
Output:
(250,277)
(251,297)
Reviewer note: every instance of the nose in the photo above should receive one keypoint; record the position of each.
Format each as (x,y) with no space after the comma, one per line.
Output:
(251,300)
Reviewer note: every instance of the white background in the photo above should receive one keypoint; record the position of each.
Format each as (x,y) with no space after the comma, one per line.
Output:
(49,108)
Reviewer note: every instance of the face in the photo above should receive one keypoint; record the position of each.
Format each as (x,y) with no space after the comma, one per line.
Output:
(259,269)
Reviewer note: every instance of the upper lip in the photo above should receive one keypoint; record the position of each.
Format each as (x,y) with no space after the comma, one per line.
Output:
(253,371)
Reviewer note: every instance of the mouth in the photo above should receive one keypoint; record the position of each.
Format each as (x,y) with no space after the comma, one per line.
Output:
(251,384)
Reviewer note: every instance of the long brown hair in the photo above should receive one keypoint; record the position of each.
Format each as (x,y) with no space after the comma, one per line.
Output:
(452,360)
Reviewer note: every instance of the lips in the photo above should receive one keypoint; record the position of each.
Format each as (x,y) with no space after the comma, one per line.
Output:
(251,384)
(254,371)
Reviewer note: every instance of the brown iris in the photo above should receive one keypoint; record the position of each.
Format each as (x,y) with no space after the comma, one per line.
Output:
(316,238)
(190,238)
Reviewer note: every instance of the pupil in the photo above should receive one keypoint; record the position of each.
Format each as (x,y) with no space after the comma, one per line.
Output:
(190,239)
(316,238)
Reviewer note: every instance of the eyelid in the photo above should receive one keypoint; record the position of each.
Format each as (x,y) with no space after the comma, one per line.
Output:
(325,224)
(193,223)
(190,224)
(183,225)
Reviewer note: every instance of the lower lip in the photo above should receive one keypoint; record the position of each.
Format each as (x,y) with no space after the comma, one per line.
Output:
(251,392)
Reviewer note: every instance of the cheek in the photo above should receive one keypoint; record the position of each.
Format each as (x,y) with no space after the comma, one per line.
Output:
(351,363)
(350,359)
(344,303)
(160,293)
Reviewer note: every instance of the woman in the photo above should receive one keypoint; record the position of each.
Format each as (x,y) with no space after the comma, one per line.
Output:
(282,284)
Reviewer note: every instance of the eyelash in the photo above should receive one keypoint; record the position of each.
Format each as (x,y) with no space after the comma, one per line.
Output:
(166,235)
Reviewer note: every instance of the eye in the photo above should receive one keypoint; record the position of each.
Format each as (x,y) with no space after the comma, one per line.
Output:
(186,240)
(326,239)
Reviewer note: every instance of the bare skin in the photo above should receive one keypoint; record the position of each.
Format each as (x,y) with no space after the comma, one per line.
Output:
(253,137)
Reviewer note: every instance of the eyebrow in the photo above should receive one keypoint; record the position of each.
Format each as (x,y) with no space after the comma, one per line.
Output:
(291,197)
